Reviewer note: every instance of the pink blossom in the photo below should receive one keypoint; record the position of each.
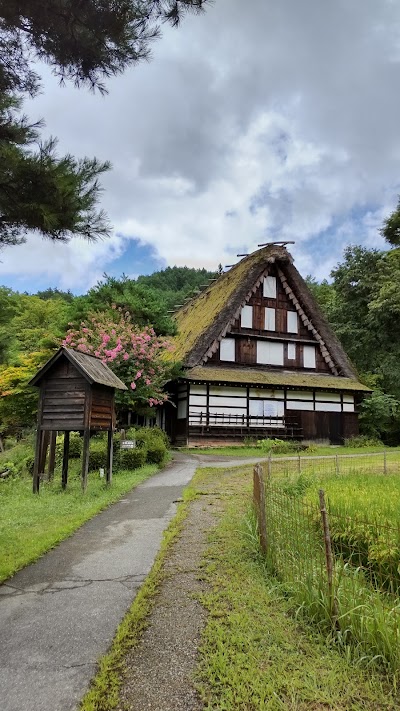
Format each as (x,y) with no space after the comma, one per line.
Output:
(133,386)
(126,356)
(147,381)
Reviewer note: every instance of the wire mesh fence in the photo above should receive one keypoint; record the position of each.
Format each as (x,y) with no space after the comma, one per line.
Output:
(384,462)
(342,571)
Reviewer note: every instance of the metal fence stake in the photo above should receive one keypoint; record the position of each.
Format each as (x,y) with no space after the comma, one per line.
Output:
(328,559)
(299,464)
(269,468)
(384,462)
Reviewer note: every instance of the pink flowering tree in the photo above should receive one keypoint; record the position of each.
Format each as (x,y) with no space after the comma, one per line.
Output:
(133,354)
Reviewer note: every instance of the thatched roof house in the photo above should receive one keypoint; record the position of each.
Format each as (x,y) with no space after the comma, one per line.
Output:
(260,359)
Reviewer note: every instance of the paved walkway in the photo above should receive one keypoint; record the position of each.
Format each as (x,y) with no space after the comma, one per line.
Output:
(59,615)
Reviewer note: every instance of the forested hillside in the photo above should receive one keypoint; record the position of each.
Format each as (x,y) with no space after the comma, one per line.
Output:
(362,302)
(32,326)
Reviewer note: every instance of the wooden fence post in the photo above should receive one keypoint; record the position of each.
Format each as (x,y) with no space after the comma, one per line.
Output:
(299,464)
(336,464)
(328,559)
(259,505)
(384,462)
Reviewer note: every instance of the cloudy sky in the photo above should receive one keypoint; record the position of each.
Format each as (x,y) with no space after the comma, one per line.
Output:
(257,121)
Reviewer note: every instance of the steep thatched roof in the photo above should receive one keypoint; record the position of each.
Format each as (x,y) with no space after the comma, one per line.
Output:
(204,320)
(207,316)
(274,378)
(90,367)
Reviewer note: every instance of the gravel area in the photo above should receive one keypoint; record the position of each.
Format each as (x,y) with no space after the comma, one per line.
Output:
(160,669)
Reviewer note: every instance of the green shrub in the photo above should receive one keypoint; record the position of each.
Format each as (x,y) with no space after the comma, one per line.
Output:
(154,440)
(146,434)
(281,446)
(75,446)
(363,441)
(10,442)
(8,469)
(132,458)
(156,451)
(29,464)
(250,442)
(97,454)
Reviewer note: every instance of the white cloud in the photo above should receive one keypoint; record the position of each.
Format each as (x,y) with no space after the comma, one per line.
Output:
(283,115)
(76,265)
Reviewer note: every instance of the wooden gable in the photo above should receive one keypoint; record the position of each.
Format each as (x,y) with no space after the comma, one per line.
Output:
(270,316)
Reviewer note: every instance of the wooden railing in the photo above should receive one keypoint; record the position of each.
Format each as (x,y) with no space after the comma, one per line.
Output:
(203,420)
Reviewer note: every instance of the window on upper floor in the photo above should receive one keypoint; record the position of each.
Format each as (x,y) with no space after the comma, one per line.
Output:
(246,317)
(309,360)
(270,319)
(270,287)
(269,353)
(227,349)
(292,322)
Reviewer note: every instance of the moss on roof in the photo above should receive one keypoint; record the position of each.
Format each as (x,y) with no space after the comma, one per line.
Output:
(254,376)
(214,304)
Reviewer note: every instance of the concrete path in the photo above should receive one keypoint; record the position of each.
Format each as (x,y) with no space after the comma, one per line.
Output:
(59,615)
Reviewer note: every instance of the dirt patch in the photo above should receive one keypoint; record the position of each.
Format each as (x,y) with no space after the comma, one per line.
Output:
(160,669)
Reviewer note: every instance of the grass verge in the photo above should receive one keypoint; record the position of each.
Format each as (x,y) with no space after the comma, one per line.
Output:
(255,654)
(243,451)
(31,525)
(104,692)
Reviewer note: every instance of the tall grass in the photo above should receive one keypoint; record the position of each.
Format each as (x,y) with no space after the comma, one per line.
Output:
(363,613)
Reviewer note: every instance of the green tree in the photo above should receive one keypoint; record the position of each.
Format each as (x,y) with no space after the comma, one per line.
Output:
(355,285)
(325,294)
(391,227)
(86,42)
(39,191)
(8,308)
(147,300)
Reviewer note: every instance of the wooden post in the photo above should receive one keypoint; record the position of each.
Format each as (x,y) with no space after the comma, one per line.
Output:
(85,459)
(52,455)
(384,462)
(259,505)
(328,558)
(299,464)
(36,472)
(336,464)
(43,452)
(64,473)
(109,457)
(1,444)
